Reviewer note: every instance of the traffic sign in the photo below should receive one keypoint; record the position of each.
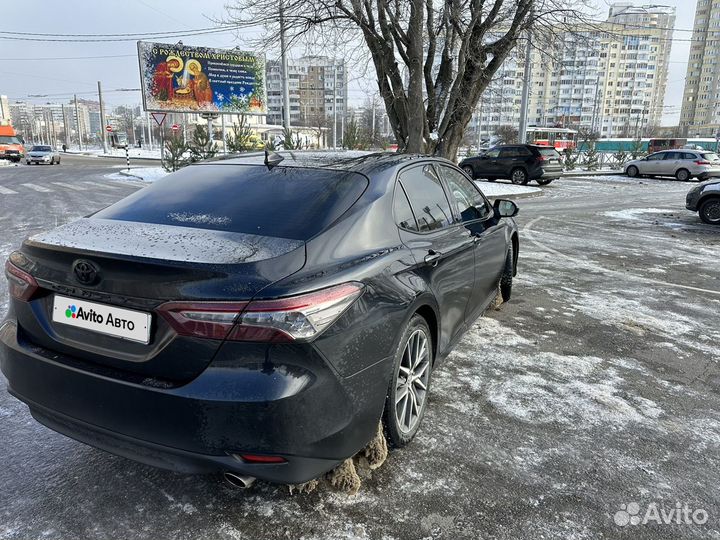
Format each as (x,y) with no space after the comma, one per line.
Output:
(108,129)
(175,127)
(159,117)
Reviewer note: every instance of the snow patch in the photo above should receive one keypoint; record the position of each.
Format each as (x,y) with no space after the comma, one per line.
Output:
(166,242)
(148,174)
(494,190)
(635,213)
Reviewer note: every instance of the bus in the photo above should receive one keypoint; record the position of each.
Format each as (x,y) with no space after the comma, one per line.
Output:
(559,138)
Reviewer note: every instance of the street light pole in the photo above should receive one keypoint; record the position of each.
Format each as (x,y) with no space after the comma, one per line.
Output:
(284,70)
(102,119)
(77,120)
(522,132)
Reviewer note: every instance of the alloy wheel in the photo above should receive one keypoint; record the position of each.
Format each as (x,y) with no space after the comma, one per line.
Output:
(710,211)
(412,381)
(518,176)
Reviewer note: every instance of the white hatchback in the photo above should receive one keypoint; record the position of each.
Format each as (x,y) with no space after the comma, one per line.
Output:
(683,164)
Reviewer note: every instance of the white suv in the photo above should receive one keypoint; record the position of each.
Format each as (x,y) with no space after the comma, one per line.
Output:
(683,164)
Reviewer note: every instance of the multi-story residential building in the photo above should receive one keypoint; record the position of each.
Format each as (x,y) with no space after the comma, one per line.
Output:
(4,110)
(312,83)
(700,112)
(609,78)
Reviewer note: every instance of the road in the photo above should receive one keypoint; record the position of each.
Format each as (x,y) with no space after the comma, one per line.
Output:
(588,400)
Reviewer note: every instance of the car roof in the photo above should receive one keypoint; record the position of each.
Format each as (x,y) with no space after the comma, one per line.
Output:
(349,160)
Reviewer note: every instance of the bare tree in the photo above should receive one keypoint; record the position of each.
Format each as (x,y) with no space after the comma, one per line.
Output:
(432,59)
(507,134)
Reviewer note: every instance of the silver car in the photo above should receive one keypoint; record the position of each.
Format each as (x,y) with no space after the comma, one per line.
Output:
(42,154)
(682,163)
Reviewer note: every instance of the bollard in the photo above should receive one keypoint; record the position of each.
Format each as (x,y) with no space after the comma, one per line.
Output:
(127,158)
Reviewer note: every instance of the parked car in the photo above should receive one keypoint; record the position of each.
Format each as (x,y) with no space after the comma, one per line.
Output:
(705,200)
(260,322)
(682,164)
(518,162)
(42,154)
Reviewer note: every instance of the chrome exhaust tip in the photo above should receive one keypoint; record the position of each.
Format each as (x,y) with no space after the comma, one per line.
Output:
(238,480)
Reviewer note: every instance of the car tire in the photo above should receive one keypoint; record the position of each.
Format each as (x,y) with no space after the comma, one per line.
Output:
(632,171)
(491,179)
(519,176)
(683,175)
(506,280)
(709,211)
(469,171)
(399,422)
(545,181)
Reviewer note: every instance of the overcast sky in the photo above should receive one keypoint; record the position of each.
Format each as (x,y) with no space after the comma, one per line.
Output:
(33,68)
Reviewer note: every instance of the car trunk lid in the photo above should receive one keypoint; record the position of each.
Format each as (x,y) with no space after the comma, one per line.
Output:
(139,266)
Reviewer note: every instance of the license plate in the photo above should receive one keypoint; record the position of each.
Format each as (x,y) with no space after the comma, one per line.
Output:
(110,320)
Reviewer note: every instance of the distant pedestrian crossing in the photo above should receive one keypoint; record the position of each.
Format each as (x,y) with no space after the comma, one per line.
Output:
(55,187)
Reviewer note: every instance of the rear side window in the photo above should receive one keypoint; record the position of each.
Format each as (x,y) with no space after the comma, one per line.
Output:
(509,152)
(689,156)
(549,152)
(673,155)
(285,202)
(403,213)
(427,198)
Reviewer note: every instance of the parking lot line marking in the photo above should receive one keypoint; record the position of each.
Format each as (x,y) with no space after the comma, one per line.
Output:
(70,186)
(35,187)
(100,184)
(527,230)
(6,191)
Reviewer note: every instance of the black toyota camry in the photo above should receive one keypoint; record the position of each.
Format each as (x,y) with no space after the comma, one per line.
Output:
(258,315)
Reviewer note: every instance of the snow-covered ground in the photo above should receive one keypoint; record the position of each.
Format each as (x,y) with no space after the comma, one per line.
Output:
(146,174)
(119,152)
(494,189)
(7,163)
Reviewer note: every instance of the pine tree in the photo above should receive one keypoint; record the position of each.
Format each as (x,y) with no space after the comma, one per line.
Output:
(351,137)
(175,156)
(591,157)
(240,139)
(570,158)
(201,147)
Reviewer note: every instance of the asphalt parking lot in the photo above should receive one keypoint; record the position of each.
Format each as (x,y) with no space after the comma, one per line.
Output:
(573,411)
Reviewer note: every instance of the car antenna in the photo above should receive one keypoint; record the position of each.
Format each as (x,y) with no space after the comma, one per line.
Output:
(272,159)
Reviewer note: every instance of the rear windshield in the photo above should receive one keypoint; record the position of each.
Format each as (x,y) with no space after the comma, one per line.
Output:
(711,156)
(549,152)
(285,202)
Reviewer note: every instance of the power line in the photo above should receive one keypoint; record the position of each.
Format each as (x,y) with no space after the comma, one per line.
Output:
(125,34)
(185,33)
(70,58)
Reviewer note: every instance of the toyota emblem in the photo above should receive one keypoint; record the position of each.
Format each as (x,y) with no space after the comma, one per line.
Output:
(85,272)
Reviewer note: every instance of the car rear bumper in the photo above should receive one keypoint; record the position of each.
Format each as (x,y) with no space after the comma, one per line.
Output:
(547,172)
(296,409)
(704,175)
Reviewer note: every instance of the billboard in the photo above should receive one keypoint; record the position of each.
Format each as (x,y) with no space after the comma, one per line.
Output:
(178,78)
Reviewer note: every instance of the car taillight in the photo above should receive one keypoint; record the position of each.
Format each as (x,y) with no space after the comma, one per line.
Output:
(703,163)
(21,284)
(299,317)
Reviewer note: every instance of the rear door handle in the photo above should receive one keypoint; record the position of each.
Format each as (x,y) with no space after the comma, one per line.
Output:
(432,258)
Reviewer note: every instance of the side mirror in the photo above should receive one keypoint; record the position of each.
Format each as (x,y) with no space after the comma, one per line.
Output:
(505,208)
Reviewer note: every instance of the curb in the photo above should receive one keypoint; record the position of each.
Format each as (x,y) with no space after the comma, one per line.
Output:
(130,175)
(571,174)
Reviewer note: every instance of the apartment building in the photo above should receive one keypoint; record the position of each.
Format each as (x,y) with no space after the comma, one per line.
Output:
(609,77)
(700,112)
(315,83)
